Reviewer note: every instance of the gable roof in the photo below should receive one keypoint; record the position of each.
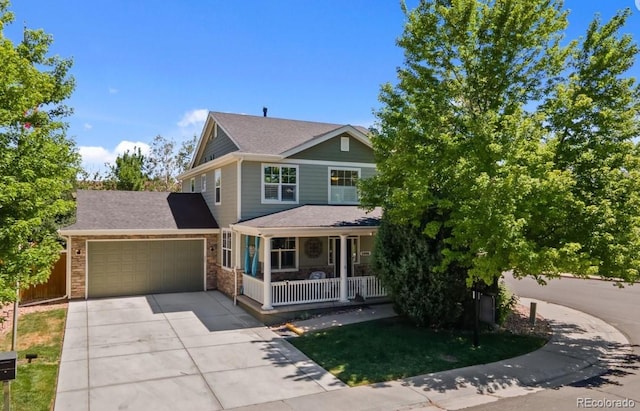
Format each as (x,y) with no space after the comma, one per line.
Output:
(274,136)
(145,211)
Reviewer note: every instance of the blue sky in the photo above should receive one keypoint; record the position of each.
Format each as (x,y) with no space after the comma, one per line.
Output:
(145,68)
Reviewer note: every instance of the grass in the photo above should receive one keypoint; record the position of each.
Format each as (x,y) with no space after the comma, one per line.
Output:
(35,386)
(393,348)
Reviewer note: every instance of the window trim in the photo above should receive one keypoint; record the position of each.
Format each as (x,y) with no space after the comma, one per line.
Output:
(279,200)
(355,240)
(295,253)
(192,185)
(331,168)
(217,186)
(203,183)
(226,231)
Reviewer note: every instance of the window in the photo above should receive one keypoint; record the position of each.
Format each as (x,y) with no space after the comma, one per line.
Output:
(193,185)
(353,246)
(279,183)
(344,143)
(203,183)
(283,254)
(218,186)
(343,186)
(226,248)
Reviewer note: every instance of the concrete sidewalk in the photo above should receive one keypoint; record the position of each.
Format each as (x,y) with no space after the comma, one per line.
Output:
(582,347)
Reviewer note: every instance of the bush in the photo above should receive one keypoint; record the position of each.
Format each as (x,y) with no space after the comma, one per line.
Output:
(505,302)
(408,264)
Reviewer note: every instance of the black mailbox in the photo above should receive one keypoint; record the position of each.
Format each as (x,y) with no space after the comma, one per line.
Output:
(8,364)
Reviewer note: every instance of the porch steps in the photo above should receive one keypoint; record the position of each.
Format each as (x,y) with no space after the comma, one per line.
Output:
(283,314)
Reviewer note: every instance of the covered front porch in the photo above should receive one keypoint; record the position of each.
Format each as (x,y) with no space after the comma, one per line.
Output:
(307,255)
(289,292)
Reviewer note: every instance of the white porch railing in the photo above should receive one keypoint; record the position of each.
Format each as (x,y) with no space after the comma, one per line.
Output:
(367,286)
(311,291)
(305,291)
(253,288)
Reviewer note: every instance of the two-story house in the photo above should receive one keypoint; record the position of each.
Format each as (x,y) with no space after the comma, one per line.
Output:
(284,226)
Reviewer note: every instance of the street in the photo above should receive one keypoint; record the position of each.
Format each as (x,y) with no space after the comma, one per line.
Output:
(618,307)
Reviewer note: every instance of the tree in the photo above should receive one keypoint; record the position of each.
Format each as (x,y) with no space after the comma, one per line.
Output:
(128,171)
(38,163)
(164,163)
(185,153)
(518,149)
(408,264)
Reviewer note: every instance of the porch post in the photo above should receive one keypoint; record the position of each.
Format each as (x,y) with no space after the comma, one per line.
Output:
(267,275)
(238,247)
(344,258)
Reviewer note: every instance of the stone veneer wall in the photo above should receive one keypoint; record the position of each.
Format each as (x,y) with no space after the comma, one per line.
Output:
(226,282)
(78,250)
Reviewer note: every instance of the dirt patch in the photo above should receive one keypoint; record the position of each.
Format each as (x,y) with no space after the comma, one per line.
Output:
(6,315)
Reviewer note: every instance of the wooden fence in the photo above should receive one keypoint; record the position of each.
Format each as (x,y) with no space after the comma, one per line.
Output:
(56,285)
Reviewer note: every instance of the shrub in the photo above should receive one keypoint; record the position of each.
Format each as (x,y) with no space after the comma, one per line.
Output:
(408,265)
(505,302)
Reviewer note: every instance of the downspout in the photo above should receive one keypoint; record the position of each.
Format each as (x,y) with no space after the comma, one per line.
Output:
(238,240)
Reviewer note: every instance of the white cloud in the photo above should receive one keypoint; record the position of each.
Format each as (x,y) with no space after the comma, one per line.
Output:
(113,90)
(87,126)
(94,158)
(194,118)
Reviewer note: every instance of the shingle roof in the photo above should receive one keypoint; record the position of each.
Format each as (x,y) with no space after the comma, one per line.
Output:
(140,210)
(270,135)
(313,216)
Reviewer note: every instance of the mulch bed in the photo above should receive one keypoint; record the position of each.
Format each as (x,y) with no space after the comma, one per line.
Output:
(518,323)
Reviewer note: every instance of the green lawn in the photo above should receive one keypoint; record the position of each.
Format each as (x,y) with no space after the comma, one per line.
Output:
(35,386)
(392,348)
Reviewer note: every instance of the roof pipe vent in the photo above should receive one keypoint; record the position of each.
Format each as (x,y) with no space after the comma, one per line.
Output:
(264,111)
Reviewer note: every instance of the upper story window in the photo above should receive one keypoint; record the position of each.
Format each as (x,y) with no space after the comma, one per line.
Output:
(279,183)
(192,185)
(343,185)
(217,175)
(203,183)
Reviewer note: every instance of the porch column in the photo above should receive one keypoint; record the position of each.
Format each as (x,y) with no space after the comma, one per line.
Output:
(267,275)
(344,258)
(237,247)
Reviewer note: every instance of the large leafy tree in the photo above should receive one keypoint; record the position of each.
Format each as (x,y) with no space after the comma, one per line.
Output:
(517,147)
(37,162)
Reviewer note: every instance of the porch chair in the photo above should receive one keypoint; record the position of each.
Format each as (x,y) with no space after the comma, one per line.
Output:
(317,275)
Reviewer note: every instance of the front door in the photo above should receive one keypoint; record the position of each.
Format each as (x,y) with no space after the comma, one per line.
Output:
(352,254)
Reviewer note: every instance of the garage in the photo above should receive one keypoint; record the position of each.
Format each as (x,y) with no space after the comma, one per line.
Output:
(134,267)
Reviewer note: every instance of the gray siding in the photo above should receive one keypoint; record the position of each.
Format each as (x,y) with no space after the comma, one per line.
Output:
(251,193)
(313,188)
(226,212)
(330,151)
(216,147)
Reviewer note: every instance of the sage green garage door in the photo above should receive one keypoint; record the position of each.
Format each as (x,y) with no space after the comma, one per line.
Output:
(117,268)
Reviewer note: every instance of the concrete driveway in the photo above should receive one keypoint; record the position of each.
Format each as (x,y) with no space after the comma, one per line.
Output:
(191,351)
